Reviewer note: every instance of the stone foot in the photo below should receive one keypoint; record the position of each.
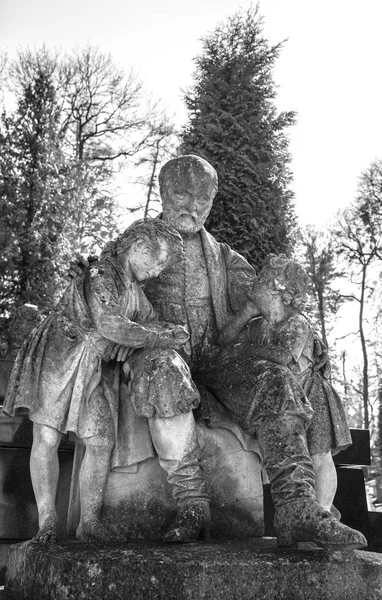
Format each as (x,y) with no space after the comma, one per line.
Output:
(191,522)
(306,521)
(47,533)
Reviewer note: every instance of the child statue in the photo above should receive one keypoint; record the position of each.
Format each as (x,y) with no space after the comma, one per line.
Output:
(285,337)
(58,376)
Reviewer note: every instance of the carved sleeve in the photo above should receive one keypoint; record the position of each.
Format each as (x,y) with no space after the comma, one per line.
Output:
(294,335)
(104,294)
(241,277)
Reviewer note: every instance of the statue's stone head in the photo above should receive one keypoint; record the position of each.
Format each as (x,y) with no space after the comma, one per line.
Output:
(188,185)
(285,276)
(146,247)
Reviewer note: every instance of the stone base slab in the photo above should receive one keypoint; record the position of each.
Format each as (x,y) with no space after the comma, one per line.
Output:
(253,569)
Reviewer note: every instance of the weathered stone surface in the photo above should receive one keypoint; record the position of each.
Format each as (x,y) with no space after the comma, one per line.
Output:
(254,570)
(234,480)
(57,373)
(140,505)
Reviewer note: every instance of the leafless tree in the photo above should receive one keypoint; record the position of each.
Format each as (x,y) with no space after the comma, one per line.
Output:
(359,239)
(321,264)
(106,110)
(162,147)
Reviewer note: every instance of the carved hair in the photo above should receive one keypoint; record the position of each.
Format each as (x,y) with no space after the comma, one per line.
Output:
(185,168)
(286,276)
(152,232)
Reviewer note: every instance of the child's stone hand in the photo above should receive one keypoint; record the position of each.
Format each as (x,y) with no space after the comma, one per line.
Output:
(120,353)
(77,266)
(180,334)
(173,338)
(127,372)
(251,310)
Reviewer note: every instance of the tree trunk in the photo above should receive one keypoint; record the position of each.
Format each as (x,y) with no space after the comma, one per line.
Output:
(152,178)
(321,312)
(365,371)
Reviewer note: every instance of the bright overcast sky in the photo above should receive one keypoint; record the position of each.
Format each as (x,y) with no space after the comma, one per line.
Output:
(329,71)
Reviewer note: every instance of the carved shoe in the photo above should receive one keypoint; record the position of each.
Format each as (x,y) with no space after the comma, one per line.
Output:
(306,521)
(335,512)
(191,522)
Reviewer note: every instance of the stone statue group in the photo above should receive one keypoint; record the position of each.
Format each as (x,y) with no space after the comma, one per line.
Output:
(180,318)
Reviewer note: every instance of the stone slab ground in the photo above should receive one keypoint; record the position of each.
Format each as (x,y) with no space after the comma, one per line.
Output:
(232,570)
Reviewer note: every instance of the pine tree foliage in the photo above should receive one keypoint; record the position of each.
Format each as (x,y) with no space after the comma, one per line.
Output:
(32,202)
(234,124)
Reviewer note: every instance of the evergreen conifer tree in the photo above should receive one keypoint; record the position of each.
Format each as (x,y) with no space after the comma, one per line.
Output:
(32,207)
(234,124)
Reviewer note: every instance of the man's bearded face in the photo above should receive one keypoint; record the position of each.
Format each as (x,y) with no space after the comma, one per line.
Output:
(187,204)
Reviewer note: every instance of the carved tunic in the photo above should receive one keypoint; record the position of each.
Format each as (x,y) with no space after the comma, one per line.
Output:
(219,279)
(203,291)
(57,374)
(198,299)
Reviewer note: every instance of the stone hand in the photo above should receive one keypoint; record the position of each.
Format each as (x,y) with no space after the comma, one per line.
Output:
(120,353)
(251,310)
(127,372)
(173,338)
(180,334)
(187,349)
(77,266)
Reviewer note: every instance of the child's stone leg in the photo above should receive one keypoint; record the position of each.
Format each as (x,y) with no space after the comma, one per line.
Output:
(326,478)
(93,478)
(44,470)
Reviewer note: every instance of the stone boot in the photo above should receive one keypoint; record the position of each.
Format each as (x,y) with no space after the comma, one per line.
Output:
(335,512)
(191,522)
(298,516)
(176,443)
(306,521)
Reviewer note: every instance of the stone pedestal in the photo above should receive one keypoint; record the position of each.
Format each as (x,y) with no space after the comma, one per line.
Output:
(231,570)
(139,503)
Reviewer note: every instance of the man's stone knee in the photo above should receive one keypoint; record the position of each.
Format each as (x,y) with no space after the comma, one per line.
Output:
(162,385)
(101,442)
(163,406)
